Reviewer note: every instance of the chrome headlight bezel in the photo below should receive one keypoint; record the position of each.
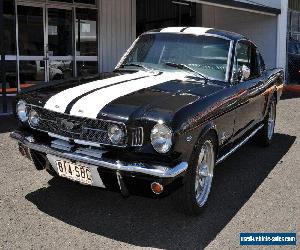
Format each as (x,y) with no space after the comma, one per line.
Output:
(33,118)
(22,111)
(115,134)
(161,138)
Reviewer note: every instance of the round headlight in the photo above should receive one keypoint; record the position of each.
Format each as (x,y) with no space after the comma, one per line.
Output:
(22,111)
(34,118)
(161,138)
(115,134)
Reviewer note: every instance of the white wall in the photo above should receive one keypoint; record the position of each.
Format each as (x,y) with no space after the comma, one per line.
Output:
(282,35)
(117,30)
(261,29)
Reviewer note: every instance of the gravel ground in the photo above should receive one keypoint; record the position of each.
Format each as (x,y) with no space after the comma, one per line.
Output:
(255,190)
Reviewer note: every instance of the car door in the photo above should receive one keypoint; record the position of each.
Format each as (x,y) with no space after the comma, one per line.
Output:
(250,104)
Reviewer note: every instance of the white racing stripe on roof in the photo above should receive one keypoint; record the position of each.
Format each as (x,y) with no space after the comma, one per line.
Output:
(172,29)
(196,30)
(187,30)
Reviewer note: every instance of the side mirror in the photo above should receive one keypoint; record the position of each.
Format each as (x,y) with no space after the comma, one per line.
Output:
(244,73)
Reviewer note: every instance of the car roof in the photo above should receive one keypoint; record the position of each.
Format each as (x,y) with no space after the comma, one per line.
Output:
(200,31)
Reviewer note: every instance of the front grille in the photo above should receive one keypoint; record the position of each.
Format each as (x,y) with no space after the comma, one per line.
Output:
(77,128)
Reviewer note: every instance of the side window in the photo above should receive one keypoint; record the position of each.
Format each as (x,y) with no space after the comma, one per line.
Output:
(247,55)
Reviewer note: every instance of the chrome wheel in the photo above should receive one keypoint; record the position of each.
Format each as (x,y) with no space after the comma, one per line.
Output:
(204,172)
(271,120)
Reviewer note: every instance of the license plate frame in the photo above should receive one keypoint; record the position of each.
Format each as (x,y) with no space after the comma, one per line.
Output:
(76,172)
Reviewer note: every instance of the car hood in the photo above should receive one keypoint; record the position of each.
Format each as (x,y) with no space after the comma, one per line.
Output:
(124,96)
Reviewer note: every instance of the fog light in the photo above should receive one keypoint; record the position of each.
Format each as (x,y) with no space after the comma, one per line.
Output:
(157,188)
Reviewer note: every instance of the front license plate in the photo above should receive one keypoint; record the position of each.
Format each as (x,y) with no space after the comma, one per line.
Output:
(74,172)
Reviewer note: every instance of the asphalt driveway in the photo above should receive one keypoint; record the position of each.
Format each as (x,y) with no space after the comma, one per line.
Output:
(255,190)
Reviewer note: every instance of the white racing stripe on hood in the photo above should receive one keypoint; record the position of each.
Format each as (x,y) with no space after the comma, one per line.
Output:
(90,105)
(60,101)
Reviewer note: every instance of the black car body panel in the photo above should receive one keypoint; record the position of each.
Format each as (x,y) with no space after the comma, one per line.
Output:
(188,104)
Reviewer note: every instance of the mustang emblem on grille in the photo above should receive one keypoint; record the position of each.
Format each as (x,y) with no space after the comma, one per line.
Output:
(69,125)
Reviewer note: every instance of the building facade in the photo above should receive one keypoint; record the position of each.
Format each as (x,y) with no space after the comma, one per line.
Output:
(45,41)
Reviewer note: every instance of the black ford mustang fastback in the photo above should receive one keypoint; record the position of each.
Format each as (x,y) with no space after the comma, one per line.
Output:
(180,101)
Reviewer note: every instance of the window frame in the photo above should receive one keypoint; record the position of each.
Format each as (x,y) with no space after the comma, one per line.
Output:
(234,62)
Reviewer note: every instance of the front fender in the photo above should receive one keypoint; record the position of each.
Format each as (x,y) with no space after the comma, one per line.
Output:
(186,141)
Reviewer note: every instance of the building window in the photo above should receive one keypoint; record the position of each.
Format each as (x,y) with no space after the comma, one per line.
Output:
(8,86)
(59,32)
(86,42)
(9,35)
(48,48)
(86,32)
(31,31)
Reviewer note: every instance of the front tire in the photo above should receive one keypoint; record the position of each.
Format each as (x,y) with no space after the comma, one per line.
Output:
(198,181)
(267,132)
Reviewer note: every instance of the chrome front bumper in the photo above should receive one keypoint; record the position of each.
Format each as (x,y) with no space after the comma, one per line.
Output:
(152,170)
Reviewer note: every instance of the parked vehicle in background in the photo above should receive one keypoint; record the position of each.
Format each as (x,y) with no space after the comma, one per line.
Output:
(180,101)
(294,61)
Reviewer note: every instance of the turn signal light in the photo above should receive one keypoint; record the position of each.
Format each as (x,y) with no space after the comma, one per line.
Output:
(157,188)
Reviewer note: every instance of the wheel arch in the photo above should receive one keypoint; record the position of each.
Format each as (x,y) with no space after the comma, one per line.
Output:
(209,128)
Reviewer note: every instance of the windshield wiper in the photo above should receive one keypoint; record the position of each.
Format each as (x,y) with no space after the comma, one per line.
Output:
(183,66)
(134,65)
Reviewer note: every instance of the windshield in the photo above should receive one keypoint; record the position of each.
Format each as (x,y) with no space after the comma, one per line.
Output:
(204,54)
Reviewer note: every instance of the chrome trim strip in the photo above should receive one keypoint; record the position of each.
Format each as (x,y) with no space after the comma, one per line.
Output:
(239,145)
(58,136)
(153,170)
(87,143)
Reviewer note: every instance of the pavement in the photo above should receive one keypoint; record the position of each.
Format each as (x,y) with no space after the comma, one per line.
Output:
(255,190)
